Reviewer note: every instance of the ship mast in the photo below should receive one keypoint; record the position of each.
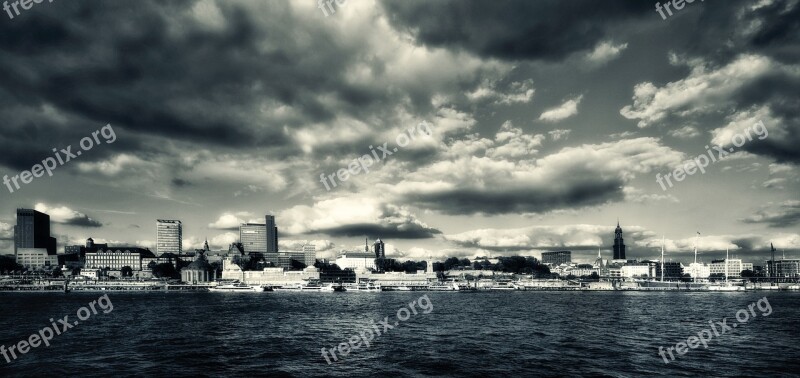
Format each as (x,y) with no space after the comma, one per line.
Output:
(662,258)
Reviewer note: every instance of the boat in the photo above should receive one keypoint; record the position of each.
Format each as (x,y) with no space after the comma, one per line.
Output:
(236,287)
(503,285)
(726,286)
(364,287)
(442,286)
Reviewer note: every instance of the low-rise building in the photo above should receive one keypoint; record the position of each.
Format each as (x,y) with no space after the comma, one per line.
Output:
(734,267)
(118,257)
(268,276)
(356,261)
(699,270)
(36,258)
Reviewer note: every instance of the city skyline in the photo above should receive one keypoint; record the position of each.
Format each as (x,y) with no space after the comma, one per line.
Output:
(540,147)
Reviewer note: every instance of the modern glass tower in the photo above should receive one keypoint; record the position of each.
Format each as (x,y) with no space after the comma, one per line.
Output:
(253,237)
(169,236)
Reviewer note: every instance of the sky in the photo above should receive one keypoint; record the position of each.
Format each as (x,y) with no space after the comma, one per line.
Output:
(469,128)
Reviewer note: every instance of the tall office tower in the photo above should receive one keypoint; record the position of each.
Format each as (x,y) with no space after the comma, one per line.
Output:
(253,237)
(309,254)
(619,245)
(169,236)
(272,235)
(33,231)
(379,249)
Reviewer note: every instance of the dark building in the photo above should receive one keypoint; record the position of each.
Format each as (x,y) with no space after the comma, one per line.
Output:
(557,257)
(380,249)
(33,231)
(619,245)
(672,269)
(272,235)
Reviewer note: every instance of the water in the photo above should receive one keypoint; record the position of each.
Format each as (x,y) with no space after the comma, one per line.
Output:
(614,334)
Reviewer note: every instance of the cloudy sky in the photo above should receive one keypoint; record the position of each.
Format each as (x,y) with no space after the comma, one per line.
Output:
(549,121)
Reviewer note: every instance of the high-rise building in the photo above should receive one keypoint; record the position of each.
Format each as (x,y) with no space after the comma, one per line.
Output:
(169,236)
(272,234)
(380,249)
(253,237)
(309,254)
(619,245)
(557,257)
(33,231)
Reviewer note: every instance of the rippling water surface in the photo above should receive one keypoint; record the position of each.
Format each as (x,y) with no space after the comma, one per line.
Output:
(466,334)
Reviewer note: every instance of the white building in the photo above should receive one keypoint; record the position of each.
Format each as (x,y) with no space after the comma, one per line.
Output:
(268,276)
(734,267)
(637,270)
(698,270)
(356,260)
(36,258)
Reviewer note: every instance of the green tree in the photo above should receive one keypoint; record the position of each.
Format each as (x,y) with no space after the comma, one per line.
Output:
(126,271)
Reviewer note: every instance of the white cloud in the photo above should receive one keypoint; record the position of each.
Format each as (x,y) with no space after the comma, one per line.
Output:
(557,134)
(563,111)
(605,52)
(686,132)
(702,91)
(65,215)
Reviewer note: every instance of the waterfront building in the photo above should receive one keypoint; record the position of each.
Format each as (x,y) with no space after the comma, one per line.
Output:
(118,257)
(36,258)
(268,276)
(169,236)
(199,271)
(785,268)
(271,235)
(672,269)
(253,237)
(356,260)
(699,270)
(380,249)
(638,270)
(619,245)
(397,278)
(557,257)
(734,267)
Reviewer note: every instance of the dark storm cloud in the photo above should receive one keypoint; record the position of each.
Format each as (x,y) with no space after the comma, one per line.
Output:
(155,70)
(393,231)
(506,29)
(497,200)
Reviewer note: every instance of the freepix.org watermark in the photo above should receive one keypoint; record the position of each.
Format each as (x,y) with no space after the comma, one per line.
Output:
(366,161)
(24,4)
(355,342)
(715,154)
(716,329)
(677,4)
(326,5)
(49,164)
(47,333)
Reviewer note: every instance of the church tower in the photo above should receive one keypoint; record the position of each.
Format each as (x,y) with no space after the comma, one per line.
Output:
(619,245)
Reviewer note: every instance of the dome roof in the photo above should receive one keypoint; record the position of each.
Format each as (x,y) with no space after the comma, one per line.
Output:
(199,264)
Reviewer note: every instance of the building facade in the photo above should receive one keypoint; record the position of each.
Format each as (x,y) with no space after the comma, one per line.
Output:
(169,236)
(36,258)
(557,257)
(253,237)
(118,257)
(271,235)
(33,231)
(356,260)
(309,254)
(734,267)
